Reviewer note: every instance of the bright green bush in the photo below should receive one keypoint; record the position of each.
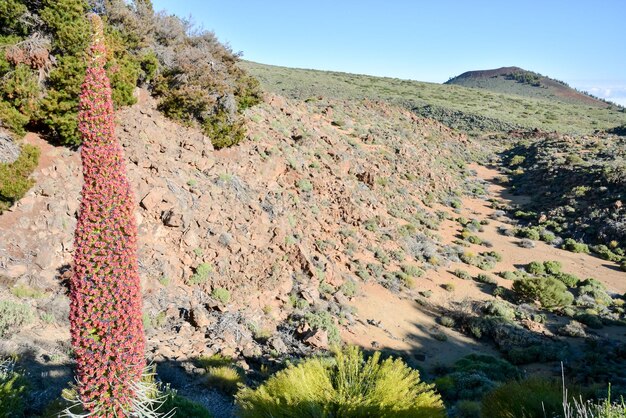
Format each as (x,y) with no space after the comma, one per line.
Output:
(13,387)
(535,268)
(552,267)
(548,291)
(525,399)
(576,247)
(221,294)
(15,178)
(349,386)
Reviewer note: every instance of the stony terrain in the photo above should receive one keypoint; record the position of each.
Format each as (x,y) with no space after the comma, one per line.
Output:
(335,220)
(253,252)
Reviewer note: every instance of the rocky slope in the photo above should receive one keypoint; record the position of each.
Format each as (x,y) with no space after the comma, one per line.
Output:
(252,251)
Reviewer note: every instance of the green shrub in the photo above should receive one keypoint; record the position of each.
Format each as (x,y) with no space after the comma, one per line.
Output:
(324,321)
(550,292)
(531,398)
(528,232)
(552,267)
(13,316)
(576,247)
(227,379)
(351,386)
(349,288)
(462,274)
(535,268)
(468,409)
(605,253)
(202,273)
(221,294)
(13,387)
(547,236)
(568,279)
(500,309)
(15,178)
(517,160)
(485,278)
(184,407)
(412,270)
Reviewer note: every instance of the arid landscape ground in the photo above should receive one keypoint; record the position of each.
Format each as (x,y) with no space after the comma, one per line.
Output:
(477,234)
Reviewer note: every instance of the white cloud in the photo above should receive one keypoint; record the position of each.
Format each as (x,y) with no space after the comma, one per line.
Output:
(605,90)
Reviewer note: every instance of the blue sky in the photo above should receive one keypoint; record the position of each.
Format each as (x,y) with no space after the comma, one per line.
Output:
(580,42)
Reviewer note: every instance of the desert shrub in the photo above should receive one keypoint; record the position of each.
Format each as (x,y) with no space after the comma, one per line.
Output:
(349,288)
(184,407)
(500,309)
(509,275)
(468,409)
(447,321)
(530,398)
(324,321)
(568,279)
(485,278)
(552,267)
(573,329)
(349,386)
(576,247)
(596,290)
(535,268)
(494,368)
(15,178)
(548,291)
(528,232)
(517,160)
(201,274)
(526,243)
(13,387)
(13,316)
(605,253)
(221,294)
(412,270)
(227,379)
(462,274)
(464,385)
(547,236)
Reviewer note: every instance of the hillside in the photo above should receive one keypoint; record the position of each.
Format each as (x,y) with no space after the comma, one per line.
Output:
(308,244)
(517,81)
(468,109)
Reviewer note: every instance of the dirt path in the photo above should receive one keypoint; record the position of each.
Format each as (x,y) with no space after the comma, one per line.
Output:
(398,323)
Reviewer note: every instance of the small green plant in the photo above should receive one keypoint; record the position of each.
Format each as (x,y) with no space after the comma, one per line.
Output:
(184,407)
(202,273)
(448,287)
(348,386)
(13,388)
(349,288)
(26,292)
(305,185)
(462,274)
(576,247)
(13,316)
(548,291)
(530,398)
(535,268)
(15,178)
(221,294)
(552,267)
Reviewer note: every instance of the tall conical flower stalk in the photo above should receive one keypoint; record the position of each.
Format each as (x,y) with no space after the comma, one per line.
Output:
(105,309)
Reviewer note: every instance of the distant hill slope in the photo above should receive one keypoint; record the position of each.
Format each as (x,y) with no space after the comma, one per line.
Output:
(470,109)
(515,80)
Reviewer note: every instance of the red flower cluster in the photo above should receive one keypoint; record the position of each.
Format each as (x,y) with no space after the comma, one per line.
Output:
(105,310)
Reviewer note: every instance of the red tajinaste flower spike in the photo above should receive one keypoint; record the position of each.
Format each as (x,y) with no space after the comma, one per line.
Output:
(105,310)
